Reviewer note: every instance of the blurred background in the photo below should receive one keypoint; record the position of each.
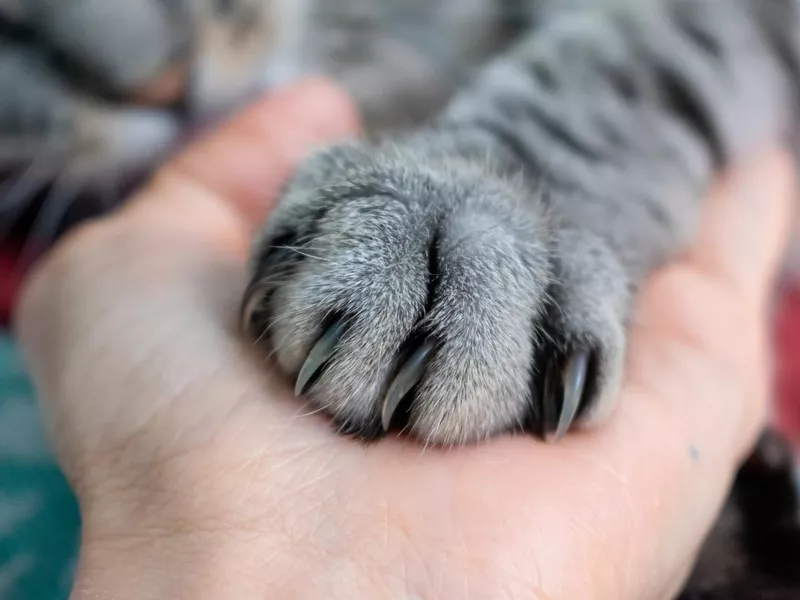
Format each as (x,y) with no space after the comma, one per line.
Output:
(39,520)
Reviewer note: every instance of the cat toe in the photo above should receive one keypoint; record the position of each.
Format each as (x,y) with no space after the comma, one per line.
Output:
(580,359)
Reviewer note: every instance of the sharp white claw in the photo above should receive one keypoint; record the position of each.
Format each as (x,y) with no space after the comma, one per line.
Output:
(570,382)
(320,354)
(252,298)
(407,377)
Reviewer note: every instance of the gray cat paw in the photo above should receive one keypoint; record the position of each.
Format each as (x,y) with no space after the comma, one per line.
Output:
(436,298)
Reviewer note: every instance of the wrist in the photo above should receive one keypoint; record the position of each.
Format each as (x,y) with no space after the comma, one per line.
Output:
(214,567)
(147,567)
(175,552)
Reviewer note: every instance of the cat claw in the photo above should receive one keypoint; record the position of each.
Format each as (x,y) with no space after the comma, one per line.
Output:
(253,296)
(569,381)
(319,356)
(407,377)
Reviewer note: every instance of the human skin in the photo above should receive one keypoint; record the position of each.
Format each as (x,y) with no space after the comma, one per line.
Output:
(200,476)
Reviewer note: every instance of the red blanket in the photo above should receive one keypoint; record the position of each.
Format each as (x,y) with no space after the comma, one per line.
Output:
(9,280)
(788,358)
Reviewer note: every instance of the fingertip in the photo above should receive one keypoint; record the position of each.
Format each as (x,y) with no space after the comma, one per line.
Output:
(745,226)
(246,160)
(323,107)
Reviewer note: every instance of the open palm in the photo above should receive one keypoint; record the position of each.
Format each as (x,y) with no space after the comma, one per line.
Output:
(186,452)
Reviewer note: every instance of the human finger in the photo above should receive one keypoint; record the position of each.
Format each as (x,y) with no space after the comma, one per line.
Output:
(247,160)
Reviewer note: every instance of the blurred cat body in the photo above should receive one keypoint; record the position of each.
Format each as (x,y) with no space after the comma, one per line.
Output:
(139,74)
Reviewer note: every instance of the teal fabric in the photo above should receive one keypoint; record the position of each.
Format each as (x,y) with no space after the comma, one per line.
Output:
(39,519)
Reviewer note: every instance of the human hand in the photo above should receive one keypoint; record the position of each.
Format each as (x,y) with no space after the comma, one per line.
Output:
(199,476)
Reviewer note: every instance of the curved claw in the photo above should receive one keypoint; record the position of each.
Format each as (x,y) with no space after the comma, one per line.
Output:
(253,296)
(407,377)
(570,382)
(320,354)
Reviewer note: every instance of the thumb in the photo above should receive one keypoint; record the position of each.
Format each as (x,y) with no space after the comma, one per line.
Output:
(697,376)
(701,327)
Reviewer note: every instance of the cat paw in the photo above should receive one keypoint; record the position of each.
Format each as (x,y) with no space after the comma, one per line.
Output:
(435,297)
